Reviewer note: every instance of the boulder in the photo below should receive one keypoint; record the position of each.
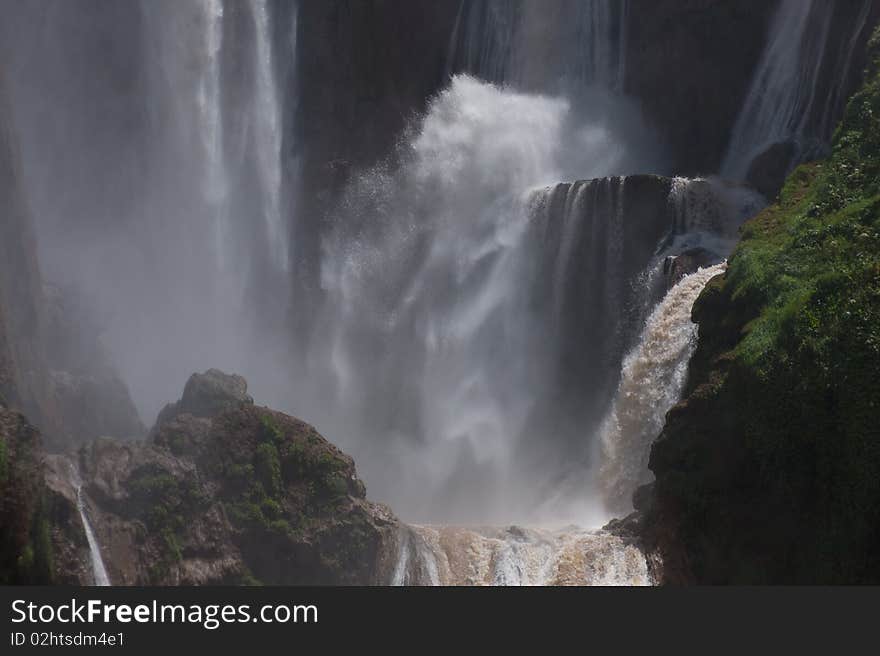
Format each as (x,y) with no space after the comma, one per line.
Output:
(207,395)
(676,267)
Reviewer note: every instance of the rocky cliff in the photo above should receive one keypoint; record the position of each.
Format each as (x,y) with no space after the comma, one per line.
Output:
(25,545)
(769,470)
(222,492)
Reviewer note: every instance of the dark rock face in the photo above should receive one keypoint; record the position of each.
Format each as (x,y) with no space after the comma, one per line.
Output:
(225,492)
(25,550)
(691,63)
(769,169)
(677,267)
(364,70)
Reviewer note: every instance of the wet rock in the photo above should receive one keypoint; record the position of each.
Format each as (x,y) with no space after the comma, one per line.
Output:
(676,267)
(768,170)
(207,395)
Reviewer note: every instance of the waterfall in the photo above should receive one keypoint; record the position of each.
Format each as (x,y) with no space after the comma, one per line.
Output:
(514,556)
(784,104)
(442,278)
(162,189)
(99,572)
(573,42)
(267,120)
(652,380)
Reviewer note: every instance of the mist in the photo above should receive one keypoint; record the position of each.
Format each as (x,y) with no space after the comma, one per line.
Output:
(477,287)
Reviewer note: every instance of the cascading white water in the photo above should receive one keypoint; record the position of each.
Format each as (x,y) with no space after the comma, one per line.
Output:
(783,105)
(513,556)
(99,572)
(209,103)
(436,352)
(267,124)
(652,380)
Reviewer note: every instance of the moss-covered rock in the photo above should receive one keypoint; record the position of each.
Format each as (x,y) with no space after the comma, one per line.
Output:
(25,542)
(769,470)
(225,492)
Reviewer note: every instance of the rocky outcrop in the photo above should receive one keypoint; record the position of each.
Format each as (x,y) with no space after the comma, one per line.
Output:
(768,470)
(206,395)
(225,492)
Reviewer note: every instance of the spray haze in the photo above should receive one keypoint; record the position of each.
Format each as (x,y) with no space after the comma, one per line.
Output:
(493,337)
(436,344)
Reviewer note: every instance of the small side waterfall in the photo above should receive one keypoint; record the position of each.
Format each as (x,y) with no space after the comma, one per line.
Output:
(268,126)
(653,377)
(99,572)
(444,279)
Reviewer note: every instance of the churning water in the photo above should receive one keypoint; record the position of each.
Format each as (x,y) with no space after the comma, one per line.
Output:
(652,380)
(433,348)
(513,556)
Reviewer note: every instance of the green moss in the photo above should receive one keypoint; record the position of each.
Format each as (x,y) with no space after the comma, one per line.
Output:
(270,431)
(267,467)
(167,505)
(786,483)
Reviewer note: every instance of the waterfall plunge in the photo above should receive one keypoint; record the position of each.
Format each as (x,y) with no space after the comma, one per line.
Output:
(432,354)
(652,380)
(513,556)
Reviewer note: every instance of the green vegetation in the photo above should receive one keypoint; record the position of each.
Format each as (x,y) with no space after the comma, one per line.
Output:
(165,504)
(774,465)
(25,544)
(285,478)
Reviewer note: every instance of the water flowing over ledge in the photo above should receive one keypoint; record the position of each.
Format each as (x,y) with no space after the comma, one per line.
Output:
(99,572)
(514,556)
